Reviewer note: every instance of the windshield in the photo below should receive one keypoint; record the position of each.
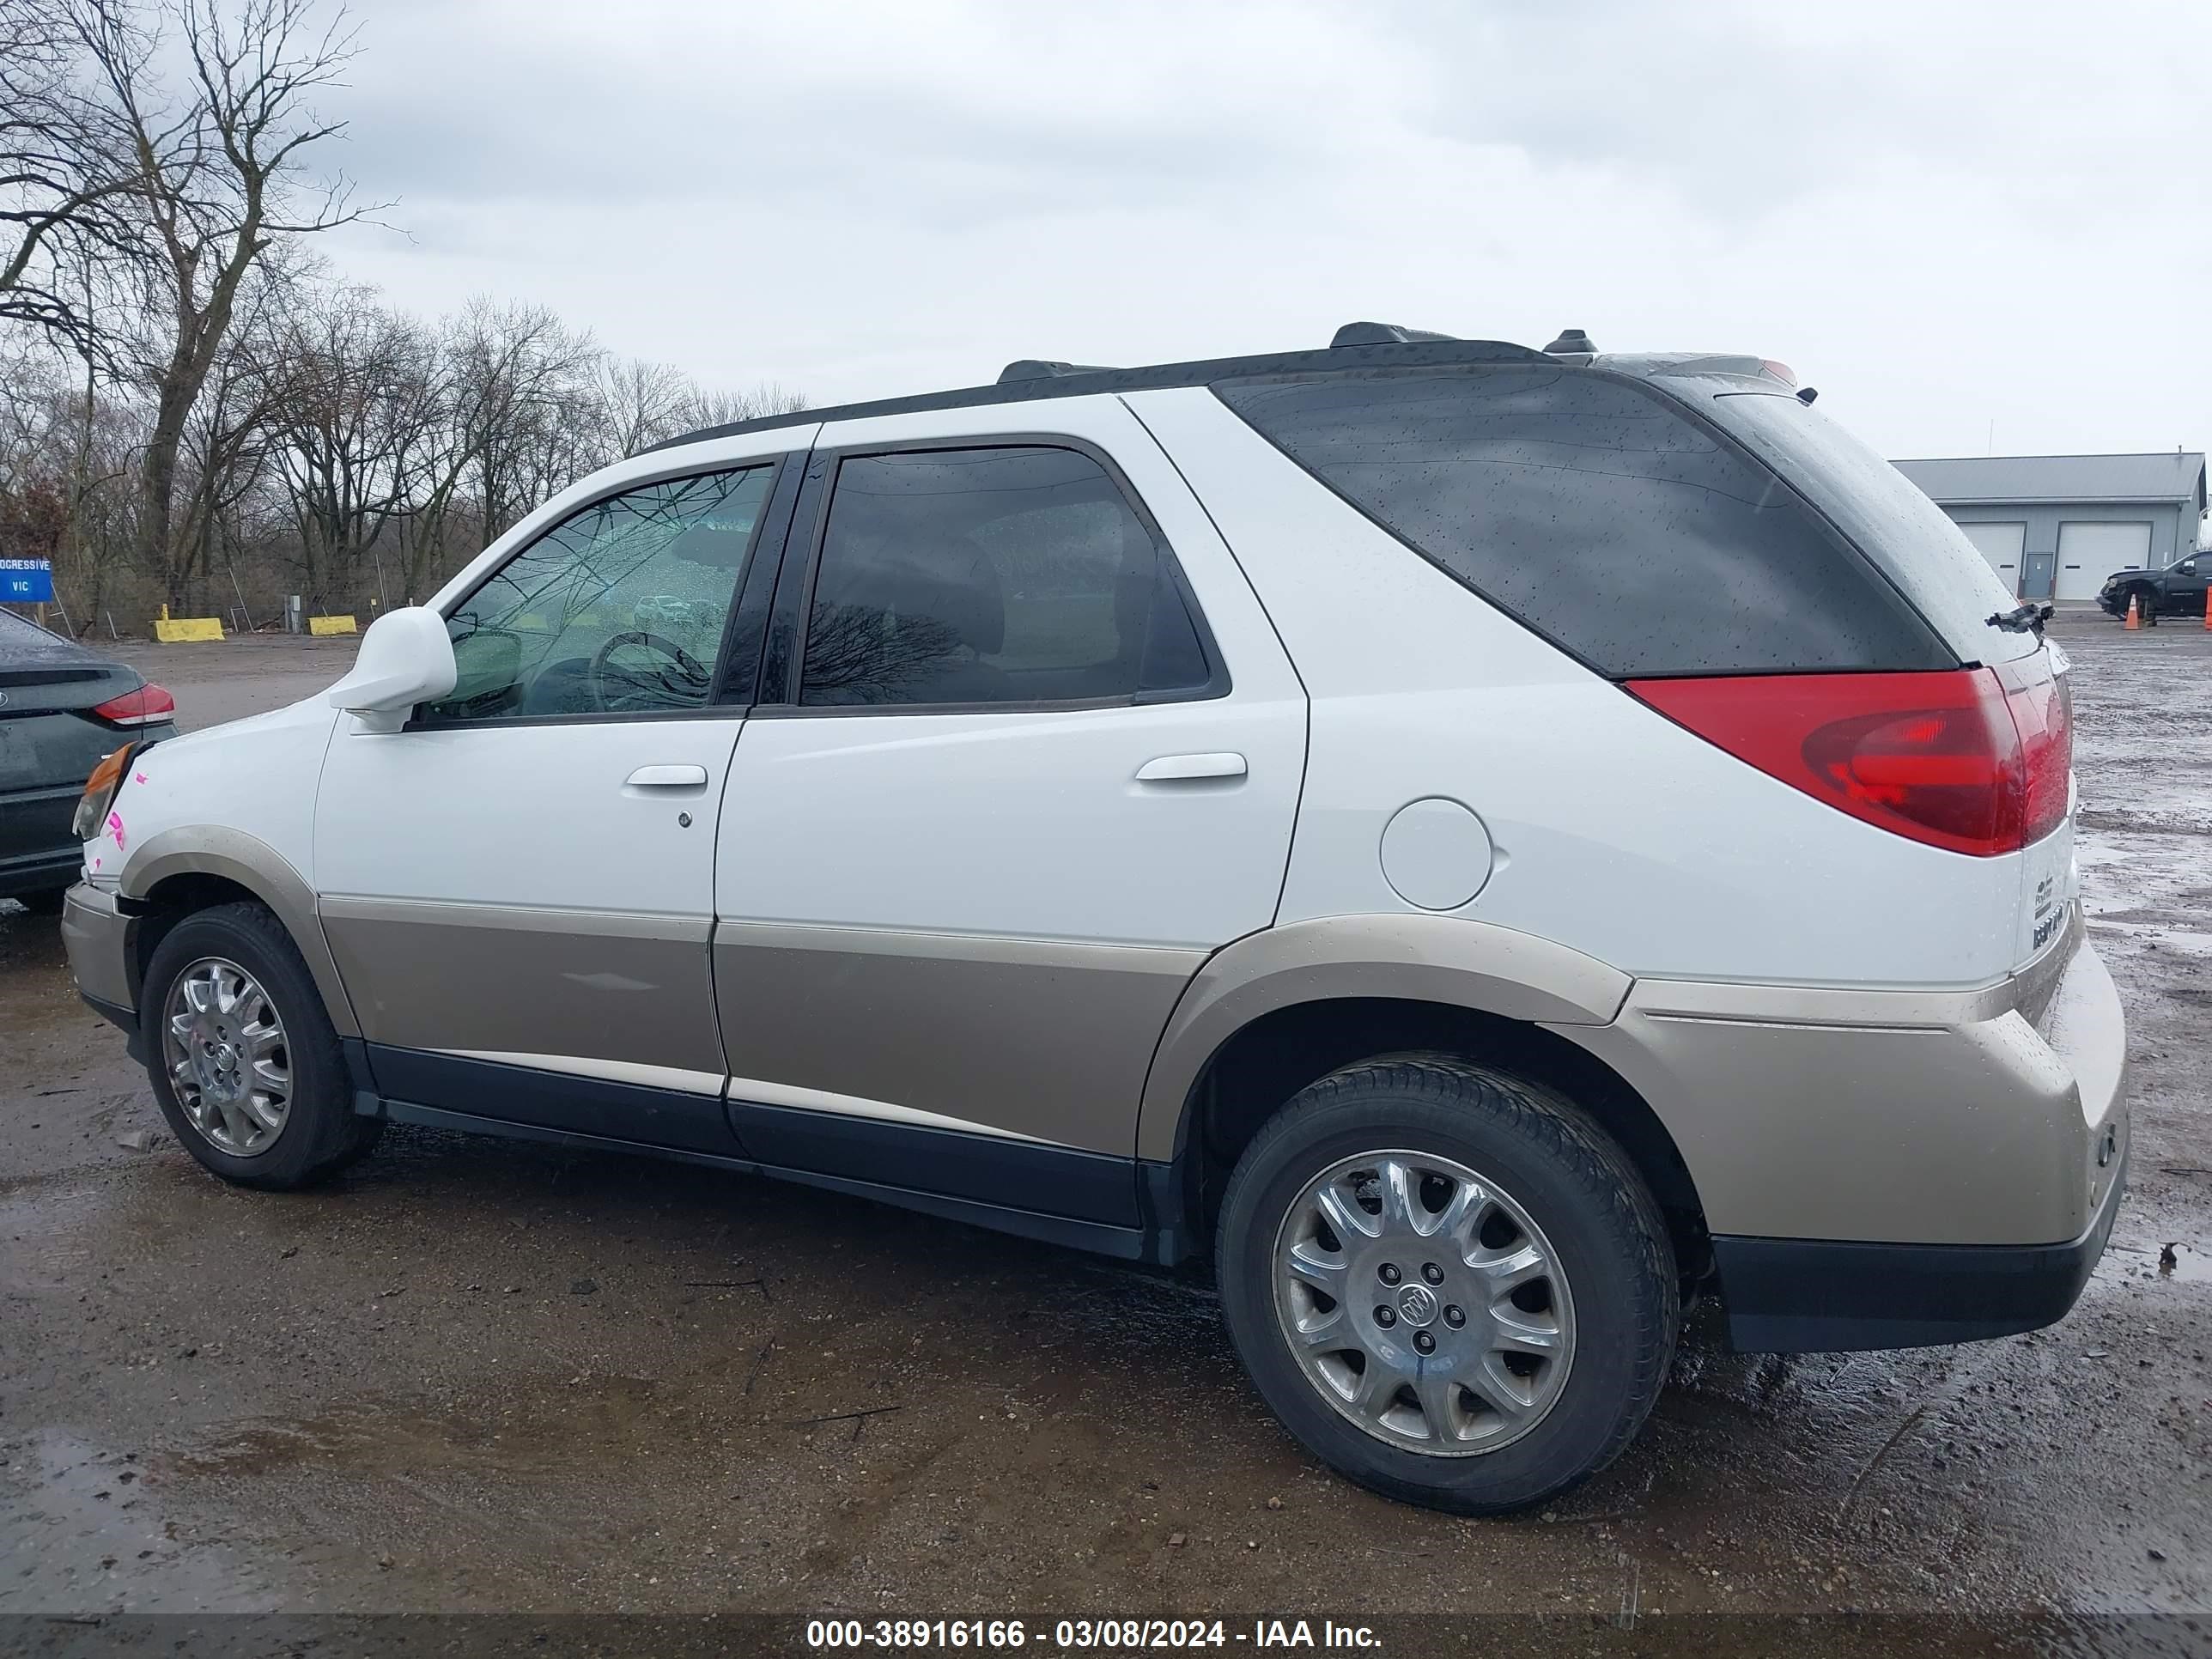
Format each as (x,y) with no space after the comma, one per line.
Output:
(1889,516)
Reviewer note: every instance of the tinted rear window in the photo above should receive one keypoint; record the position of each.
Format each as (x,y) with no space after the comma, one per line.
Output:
(1888,515)
(1597,513)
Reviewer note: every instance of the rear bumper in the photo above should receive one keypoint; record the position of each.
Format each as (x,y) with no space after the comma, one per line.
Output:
(1993,1117)
(40,873)
(1825,1295)
(37,851)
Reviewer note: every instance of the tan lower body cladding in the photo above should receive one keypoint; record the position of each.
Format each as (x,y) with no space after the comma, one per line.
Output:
(520,982)
(1037,1038)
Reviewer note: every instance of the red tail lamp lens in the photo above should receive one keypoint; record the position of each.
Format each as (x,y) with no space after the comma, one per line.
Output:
(150,705)
(1977,761)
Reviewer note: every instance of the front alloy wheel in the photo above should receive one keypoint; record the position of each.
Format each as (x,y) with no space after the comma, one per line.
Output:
(229,1062)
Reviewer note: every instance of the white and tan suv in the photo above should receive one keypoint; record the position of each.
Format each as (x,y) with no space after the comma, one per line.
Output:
(1484,843)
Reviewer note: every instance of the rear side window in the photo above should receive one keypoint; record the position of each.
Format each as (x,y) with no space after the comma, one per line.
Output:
(993,575)
(1598,514)
(1886,514)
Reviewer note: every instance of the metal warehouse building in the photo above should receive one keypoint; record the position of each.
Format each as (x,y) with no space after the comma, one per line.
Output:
(2054,526)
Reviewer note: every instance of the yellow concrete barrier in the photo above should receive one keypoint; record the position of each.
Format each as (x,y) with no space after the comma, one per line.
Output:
(179,629)
(332,625)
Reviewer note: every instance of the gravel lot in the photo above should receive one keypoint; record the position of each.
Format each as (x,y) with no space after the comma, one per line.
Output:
(486,1375)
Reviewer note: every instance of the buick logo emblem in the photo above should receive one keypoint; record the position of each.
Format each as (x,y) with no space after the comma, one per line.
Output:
(1417,1305)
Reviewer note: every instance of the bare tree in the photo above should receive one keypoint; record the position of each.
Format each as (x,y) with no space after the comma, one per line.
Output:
(62,177)
(521,374)
(358,399)
(188,401)
(727,407)
(642,404)
(214,200)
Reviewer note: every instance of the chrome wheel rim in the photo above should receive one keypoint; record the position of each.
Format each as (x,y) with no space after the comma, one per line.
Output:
(1424,1304)
(229,1066)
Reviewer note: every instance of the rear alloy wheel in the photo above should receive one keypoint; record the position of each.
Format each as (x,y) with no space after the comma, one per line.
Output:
(243,1062)
(1424,1303)
(1448,1282)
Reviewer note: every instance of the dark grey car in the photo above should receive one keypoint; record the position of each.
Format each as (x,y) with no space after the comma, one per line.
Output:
(61,710)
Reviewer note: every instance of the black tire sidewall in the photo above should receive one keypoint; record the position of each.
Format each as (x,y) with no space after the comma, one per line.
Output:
(320,1129)
(1600,1244)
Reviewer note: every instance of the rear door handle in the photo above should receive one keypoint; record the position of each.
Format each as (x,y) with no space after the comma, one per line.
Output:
(1183,768)
(668,777)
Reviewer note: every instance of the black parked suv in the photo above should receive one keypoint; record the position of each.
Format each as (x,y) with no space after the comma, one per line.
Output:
(2176,590)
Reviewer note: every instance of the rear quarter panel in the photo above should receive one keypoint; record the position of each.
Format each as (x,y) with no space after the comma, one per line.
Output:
(1615,831)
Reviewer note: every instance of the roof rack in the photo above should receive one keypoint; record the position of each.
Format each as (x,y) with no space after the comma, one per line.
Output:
(1038,369)
(1036,378)
(1360,334)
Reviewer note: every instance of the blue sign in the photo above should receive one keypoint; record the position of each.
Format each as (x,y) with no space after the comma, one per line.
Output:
(26,581)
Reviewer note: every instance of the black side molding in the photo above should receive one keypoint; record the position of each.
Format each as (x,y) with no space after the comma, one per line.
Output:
(670,1118)
(1127,1243)
(975,1169)
(1827,1296)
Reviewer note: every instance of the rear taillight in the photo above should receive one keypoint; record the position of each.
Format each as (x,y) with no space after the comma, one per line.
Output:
(1974,760)
(2042,709)
(150,705)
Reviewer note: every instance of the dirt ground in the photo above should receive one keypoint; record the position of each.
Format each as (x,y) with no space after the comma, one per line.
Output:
(488,1376)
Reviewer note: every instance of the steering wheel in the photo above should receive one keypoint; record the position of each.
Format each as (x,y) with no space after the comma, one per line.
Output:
(642,686)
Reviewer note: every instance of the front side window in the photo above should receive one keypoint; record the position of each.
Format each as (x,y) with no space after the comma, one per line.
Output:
(616,610)
(999,575)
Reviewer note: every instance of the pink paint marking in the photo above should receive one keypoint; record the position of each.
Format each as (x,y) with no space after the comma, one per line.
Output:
(138,777)
(95,864)
(115,828)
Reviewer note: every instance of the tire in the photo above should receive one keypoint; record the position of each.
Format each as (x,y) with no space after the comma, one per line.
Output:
(1552,1185)
(2147,600)
(317,1133)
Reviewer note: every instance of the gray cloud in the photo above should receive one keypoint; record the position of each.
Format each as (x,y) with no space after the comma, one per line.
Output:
(1945,216)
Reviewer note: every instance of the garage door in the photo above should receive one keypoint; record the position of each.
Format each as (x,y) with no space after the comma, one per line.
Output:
(2087,553)
(2000,543)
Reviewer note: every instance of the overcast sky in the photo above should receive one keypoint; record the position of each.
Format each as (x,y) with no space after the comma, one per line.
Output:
(1948,217)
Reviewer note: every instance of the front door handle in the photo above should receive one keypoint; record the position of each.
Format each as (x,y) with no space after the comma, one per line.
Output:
(1184,769)
(668,777)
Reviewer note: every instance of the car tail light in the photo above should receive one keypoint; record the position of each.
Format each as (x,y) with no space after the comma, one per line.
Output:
(150,705)
(1974,760)
(99,793)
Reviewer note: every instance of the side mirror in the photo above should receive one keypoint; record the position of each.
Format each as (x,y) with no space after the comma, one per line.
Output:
(405,659)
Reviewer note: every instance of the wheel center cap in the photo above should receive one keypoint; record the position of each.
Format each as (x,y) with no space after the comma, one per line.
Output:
(1417,1305)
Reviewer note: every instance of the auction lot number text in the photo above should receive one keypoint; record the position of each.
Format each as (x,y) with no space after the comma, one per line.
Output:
(1078,1635)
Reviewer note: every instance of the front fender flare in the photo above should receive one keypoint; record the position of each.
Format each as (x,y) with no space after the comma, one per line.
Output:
(254,865)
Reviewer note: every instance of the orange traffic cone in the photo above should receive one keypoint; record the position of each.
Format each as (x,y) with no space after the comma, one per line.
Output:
(2135,615)
(2207,607)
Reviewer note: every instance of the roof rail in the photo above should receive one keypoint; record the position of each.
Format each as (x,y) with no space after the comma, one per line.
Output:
(1036,381)
(1360,334)
(1038,369)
